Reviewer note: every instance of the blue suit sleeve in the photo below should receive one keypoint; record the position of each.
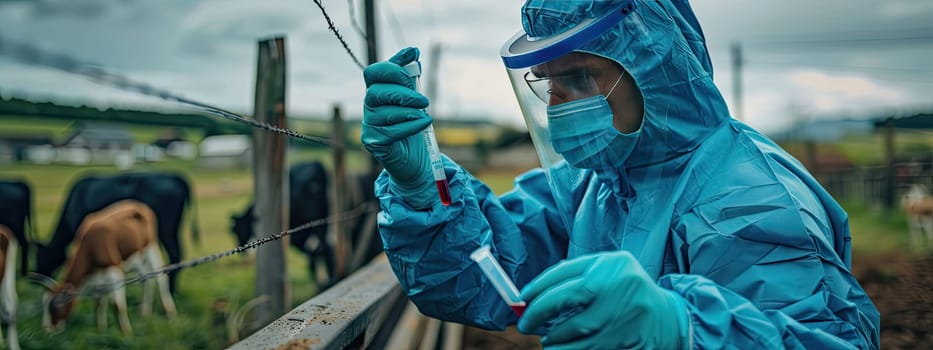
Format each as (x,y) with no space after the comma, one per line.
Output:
(768,277)
(429,249)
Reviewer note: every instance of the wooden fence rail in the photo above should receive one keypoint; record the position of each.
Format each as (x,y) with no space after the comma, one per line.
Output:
(876,186)
(360,312)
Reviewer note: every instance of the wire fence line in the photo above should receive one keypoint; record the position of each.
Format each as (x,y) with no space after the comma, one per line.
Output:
(32,55)
(333,29)
(98,290)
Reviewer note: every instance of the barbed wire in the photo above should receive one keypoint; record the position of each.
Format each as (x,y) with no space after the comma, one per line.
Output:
(333,28)
(30,54)
(98,290)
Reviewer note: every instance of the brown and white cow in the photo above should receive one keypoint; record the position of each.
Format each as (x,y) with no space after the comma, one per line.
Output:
(918,204)
(120,237)
(8,298)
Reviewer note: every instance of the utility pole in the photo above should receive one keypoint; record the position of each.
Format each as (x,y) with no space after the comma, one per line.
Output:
(737,63)
(270,182)
(372,49)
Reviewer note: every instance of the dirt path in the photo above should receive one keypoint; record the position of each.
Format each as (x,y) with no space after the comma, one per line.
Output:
(902,289)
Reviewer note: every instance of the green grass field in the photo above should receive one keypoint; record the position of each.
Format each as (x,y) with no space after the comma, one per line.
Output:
(220,194)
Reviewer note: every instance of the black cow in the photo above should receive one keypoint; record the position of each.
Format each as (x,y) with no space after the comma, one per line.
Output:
(166,194)
(16,214)
(308,201)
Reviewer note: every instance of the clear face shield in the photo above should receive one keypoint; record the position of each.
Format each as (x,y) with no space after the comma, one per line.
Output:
(546,71)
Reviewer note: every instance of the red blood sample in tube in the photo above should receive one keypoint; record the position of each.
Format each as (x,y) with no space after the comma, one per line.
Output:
(443,190)
(519,309)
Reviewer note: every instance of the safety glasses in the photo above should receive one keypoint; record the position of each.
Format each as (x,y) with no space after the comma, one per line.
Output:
(574,85)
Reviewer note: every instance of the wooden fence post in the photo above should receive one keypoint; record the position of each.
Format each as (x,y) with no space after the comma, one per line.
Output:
(342,250)
(270,182)
(889,191)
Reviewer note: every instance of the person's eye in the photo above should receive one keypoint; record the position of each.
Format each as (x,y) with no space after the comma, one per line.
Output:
(578,82)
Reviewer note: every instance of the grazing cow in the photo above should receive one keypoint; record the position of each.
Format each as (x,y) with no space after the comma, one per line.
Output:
(308,201)
(8,298)
(918,203)
(16,215)
(121,237)
(166,194)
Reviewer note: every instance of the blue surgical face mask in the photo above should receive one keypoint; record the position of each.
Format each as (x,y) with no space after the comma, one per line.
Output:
(582,132)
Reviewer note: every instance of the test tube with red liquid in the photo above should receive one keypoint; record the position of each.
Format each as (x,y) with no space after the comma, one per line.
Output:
(494,272)
(430,141)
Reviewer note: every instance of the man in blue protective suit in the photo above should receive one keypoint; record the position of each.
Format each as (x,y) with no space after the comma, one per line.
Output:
(655,221)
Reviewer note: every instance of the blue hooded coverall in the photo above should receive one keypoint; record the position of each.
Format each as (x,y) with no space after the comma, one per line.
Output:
(711,208)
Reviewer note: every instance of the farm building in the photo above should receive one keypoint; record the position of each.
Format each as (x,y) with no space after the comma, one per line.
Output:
(97,143)
(225,151)
(173,144)
(13,147)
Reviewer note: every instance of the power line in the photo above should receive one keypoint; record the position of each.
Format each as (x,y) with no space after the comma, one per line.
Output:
(353,22)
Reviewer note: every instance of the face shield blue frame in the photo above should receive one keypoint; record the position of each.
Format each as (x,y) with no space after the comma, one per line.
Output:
(523,51)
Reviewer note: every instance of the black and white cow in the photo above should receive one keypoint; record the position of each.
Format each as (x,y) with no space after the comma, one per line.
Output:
(16,214)
(167,194)
(308,201)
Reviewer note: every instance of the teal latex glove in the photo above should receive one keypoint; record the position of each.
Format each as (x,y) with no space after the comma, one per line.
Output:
(603,301)
(393,118)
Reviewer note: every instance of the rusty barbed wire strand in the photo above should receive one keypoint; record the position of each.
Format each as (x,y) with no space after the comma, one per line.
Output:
(333,28)
(103,289)
(32,55)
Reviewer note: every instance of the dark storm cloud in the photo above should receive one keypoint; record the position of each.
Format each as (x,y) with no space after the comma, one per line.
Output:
(210,39)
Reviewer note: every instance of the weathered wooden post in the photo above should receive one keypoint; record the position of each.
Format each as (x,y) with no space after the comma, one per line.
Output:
(342,250)
(889,192)
(372,56)
(270,182)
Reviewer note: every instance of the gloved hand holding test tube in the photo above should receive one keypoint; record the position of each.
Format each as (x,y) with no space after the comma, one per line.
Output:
(430,140)
(491,268)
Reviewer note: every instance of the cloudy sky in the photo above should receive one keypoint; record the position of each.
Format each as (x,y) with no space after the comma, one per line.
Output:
(803,59)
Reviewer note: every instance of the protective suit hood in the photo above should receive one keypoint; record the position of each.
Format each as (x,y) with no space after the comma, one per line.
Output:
(662,47)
